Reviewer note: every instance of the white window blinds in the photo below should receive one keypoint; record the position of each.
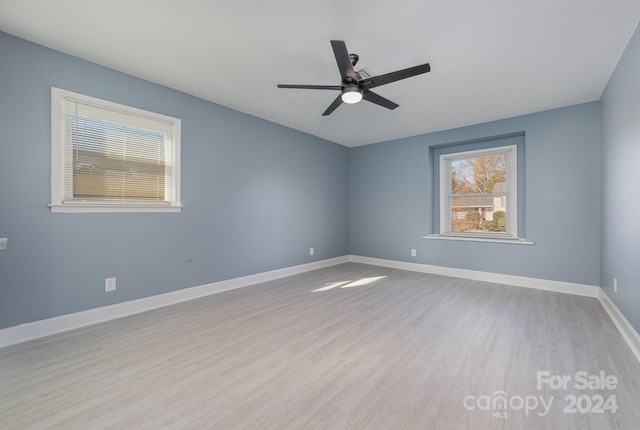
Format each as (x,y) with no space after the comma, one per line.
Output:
(116,155)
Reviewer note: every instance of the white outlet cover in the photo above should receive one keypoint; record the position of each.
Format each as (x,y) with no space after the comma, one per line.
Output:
(3,242)
(109,284)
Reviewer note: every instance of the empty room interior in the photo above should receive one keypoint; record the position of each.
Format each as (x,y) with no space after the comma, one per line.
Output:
(319,215)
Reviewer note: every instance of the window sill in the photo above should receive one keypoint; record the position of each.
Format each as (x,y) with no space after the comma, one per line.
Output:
(112,208)
(479,239)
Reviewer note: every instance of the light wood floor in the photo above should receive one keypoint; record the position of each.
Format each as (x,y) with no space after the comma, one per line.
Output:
(399,352)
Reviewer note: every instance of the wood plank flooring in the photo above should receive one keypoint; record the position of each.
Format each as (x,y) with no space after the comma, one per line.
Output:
(347,347)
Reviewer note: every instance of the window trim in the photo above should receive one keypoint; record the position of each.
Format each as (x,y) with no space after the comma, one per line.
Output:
(483,143)
(511,173)
(58,205)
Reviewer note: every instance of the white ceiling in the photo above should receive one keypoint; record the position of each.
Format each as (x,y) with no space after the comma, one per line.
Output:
(490,59)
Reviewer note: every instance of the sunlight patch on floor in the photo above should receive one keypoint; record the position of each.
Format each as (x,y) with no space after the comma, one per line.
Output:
(349,284)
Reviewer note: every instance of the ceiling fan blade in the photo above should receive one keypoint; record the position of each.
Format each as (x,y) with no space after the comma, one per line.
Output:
(311,87)
(387,78)
(333,106)
(372,97)
(344,61)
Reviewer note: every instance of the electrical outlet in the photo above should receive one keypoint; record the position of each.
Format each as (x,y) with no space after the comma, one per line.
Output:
(615,285)
(311,251)
(109,284)
(413,252)
(3,243)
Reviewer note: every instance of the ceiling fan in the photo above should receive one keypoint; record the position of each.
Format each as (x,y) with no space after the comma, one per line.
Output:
(355,87)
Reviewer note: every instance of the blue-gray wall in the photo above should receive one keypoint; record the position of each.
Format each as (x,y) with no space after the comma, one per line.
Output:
(620,183)
(256,196)
(392,199)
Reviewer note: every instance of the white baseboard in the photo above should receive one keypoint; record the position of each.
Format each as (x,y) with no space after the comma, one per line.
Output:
(498,278)
(42,328)
(629,334)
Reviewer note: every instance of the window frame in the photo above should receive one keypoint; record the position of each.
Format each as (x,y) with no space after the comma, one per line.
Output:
(485,143)
(511,192)
(59,98)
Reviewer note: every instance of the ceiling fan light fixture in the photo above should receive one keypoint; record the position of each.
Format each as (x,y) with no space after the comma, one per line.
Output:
(351,95)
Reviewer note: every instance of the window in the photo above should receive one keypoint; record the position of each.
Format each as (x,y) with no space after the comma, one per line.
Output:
(108,157)
(477,188)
